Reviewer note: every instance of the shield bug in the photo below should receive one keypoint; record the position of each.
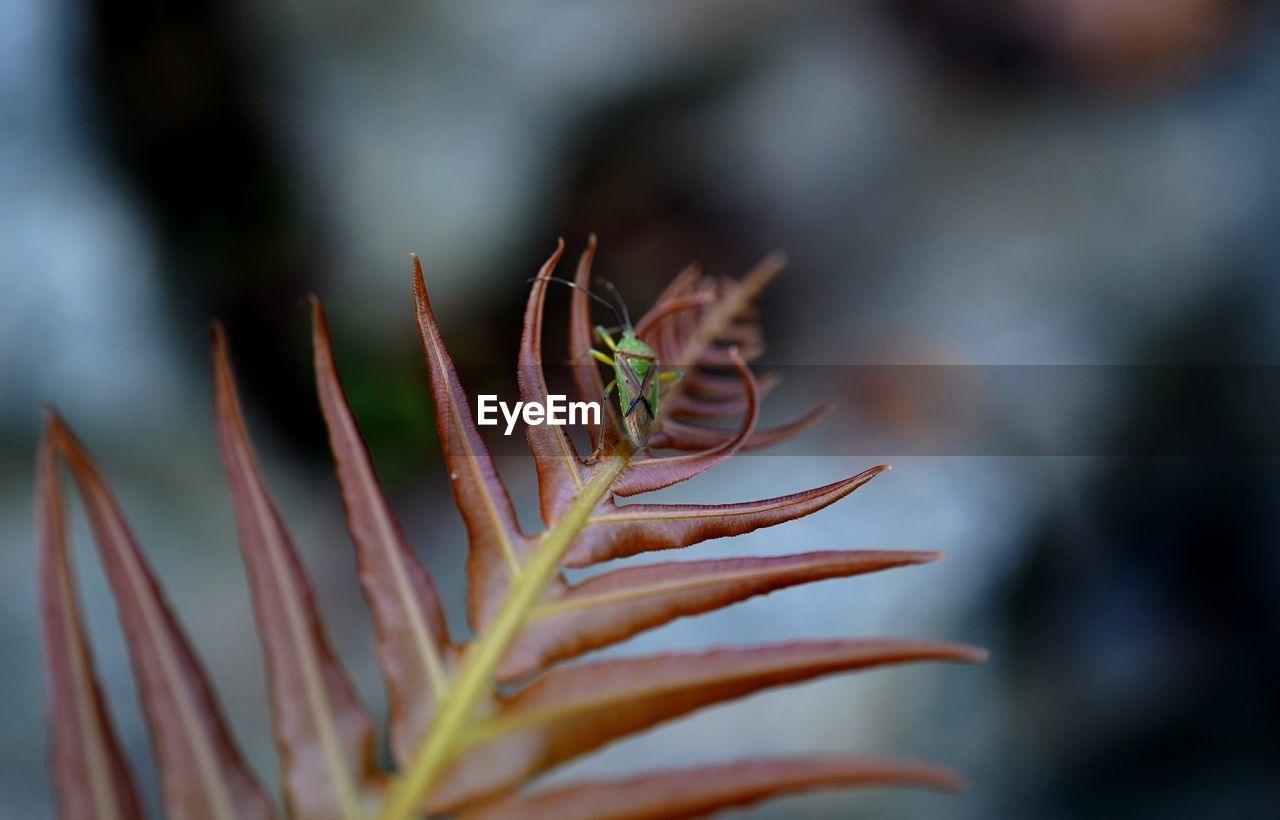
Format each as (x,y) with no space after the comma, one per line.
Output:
(636,374)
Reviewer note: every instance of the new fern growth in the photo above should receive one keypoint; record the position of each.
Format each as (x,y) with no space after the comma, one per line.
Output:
(471,724)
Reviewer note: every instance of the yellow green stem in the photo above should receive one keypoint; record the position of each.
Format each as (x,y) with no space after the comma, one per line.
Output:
(407,796)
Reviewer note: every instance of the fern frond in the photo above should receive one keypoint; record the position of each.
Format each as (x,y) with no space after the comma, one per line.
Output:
(201,770)
(471,724)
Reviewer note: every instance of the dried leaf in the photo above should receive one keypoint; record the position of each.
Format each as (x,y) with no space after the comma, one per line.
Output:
(413,646)
(573,710)
(697,791)
(561,474)
(621,531)
(655,473)
(90,775)
(201,772)
(614,606)
(497,544)
(323,735)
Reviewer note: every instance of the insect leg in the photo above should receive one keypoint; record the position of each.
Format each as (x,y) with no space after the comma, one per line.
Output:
(595,454)
(599,448)
(601,357)
(604,336)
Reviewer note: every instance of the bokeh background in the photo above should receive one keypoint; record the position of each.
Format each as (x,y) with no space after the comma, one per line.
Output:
(1092,183)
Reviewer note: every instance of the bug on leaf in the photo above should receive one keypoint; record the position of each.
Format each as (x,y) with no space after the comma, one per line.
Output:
(637,377)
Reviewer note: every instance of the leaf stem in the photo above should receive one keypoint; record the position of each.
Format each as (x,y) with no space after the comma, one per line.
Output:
(407,795)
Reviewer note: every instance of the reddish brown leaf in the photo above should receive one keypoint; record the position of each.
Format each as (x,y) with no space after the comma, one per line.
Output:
(90,775)
(664,309)
(655,473)
(323,735)
(614,606)
(573,710)
(705,385)
(715,355)
(667,337)
(201,771)
(686,406)
(413,646)
(561,474)
(677,290)
(697,791)
(742,334)
(586,374)
(621,531)
(497,543)
(677,435)
(735,298)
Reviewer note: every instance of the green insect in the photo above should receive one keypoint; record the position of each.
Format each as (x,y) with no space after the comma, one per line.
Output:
(636,374)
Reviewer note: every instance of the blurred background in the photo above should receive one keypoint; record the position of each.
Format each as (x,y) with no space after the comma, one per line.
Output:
(1083,190)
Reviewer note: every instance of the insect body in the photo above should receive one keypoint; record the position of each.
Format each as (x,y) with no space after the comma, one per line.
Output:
(636,377)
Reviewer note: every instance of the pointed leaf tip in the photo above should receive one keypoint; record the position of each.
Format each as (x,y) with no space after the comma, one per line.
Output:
(561,474)
(497,544)
(622,531)
(413,646)
(201,770)
(703,789)
(324,736)
(90,775)
(586,375)
(615,606)
(574,710)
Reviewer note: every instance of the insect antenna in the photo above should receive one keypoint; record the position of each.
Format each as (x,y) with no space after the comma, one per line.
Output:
(617,296)
(601,300)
